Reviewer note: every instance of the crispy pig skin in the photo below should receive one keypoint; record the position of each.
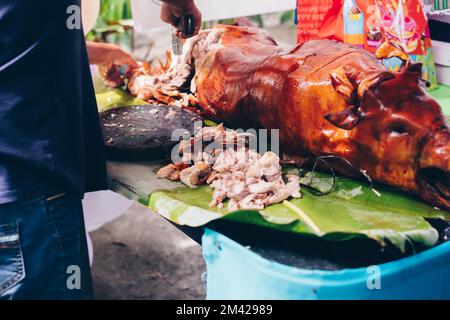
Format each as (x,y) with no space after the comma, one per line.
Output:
(329,98)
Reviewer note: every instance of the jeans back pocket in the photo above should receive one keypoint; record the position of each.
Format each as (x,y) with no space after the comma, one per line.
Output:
(12,269)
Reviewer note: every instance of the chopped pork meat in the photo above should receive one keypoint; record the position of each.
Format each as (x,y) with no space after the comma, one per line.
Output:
(169,172)
(242,176)
(195,175)
(235,172)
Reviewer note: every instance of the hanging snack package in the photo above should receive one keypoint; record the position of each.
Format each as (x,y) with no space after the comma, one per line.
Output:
(369,23)
(405,24)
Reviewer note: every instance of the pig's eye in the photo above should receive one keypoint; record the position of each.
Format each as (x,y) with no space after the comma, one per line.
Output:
(398,129)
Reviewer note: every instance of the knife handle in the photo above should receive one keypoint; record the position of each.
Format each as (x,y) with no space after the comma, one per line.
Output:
(187,25)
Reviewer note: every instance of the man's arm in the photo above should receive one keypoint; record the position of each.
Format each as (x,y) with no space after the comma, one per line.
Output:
(173,10)
(108,54)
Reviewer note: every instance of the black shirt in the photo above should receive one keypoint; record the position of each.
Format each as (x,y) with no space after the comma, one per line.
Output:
(50,136)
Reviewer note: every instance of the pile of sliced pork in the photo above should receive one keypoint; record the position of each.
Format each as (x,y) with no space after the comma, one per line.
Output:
(222,159)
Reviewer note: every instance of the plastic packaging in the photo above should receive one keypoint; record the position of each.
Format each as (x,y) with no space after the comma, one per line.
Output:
(369,23)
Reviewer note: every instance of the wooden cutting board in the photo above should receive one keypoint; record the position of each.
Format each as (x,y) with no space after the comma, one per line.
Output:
(144,132)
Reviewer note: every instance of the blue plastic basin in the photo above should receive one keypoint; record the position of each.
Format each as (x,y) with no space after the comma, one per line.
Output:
(235,272)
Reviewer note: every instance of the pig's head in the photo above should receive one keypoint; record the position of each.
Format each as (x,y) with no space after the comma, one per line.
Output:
(399,132)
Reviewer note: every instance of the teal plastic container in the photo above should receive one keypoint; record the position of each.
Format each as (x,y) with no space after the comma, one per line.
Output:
(235,272)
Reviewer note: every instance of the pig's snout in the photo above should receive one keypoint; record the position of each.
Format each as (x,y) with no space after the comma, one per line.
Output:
(434,170)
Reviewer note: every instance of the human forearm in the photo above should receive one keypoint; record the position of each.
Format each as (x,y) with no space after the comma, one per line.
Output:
(108,54)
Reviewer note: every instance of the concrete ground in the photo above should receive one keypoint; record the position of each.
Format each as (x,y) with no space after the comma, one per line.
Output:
(142,256)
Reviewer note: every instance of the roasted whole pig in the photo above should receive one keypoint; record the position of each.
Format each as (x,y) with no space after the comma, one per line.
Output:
(326,98)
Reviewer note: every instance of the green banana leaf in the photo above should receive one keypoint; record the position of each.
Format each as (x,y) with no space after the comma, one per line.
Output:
(352,209)
(115,98)
(108,98)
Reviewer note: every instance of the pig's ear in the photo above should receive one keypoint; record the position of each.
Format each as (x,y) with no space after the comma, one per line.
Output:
(411,74)
(373,80)
(346,119)
(342,82)
(414,67)
(348,81)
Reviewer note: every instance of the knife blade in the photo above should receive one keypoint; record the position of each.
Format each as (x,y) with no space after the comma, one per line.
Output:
(186,25)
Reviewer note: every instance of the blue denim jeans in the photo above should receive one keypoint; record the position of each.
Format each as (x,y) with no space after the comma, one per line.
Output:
(43,252)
